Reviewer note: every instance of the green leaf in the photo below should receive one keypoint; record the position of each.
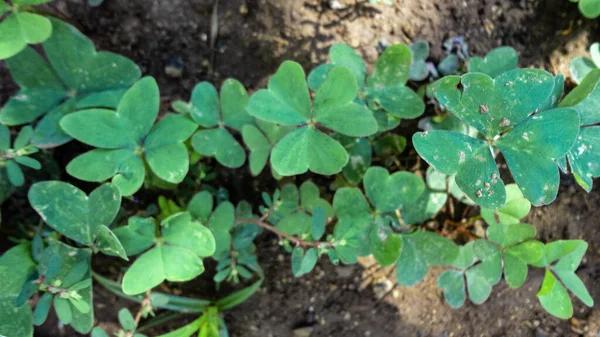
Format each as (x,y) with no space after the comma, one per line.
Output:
(15,321)
(124,166)
(580,67)
(234,100)
(494,106)
(16,266)
(23,137)
(179,230)
(411,267)
(554,298)
(346,56)
(165,152)
(286,101)
(137,236)
(175,264)
(221,144)
(63,310)
(98,332)
(350,203)
(392,67)
(419,251)
(307,148)
(68,210)
(334,105)
(428,204)
(260,148)
(399,101)
(297,223)
(531,147)
(126,319)
(470,159)
(390,192)
(14,173)
(516,259)
(4,138)
(29,162)
(126,127)
(42,309)
(238,297)
(72,258)
(20,29)
(516,208)
(319,219)
(303,263)
(68,49)
(496,62)
(418,68)
(589,8)
(359,150)
(565,270)
(509,234)
(108,243)
(201,206)
(310,199)
(452,283)
(204,105)
(385,245)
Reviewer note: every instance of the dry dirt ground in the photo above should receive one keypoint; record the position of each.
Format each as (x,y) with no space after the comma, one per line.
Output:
(254,37)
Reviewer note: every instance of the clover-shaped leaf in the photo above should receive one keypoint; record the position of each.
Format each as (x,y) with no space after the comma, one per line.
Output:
(584,155)
(418,68)
(261,140)
(125,136)
(138,235)
(385,245)
(518,249)
(553,296)
(419,251)
(84,219)
(515,209)
(496,62)
(589,8)
(390,192)
(499,108)
(176,257)
(216,114)
(287,102)
(219,222)
(21,27)
(75,74)
(13,158)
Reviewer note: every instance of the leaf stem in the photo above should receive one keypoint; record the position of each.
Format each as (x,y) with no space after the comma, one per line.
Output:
(283,235)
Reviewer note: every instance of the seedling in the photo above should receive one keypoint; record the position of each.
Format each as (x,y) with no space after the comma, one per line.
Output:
(11,159)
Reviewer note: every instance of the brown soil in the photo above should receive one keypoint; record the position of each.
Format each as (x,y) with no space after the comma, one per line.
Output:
(254,37)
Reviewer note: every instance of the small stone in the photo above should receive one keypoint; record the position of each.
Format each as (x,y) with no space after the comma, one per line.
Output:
(175,67)
(303,332)
(382,287)
(347,316)
(243,9)
(336,5)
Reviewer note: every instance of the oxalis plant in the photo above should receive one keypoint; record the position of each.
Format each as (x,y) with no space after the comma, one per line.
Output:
(153,202)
